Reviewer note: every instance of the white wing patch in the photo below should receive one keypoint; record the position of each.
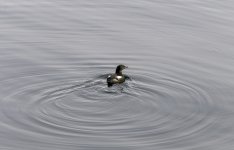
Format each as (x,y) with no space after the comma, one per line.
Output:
(119,77)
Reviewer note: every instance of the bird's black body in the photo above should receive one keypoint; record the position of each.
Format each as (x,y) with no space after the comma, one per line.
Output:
(117,77)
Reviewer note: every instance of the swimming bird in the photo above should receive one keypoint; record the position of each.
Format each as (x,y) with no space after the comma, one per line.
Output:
(117,77)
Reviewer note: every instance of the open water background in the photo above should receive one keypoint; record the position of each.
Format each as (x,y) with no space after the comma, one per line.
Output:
(55,55)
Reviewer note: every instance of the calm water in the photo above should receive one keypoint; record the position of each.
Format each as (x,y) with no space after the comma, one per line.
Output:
(55,55)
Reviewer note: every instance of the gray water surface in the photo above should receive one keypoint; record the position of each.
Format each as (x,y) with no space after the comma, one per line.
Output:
(55,55)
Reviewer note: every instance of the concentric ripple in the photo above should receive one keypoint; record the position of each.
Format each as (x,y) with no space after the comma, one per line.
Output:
(55,57)
(144,111)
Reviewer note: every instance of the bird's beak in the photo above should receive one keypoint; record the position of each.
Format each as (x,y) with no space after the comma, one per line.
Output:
(126,66)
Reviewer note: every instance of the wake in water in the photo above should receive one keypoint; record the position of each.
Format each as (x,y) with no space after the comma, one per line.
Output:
(94,86)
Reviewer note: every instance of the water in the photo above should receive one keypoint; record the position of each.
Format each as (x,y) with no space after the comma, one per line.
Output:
(55,55)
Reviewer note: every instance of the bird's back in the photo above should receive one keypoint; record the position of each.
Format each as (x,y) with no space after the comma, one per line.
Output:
(114,78)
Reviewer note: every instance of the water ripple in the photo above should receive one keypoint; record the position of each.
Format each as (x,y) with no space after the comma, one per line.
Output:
(145,110)
(55,57)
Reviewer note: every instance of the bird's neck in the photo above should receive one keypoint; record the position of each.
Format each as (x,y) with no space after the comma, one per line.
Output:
(118,72)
